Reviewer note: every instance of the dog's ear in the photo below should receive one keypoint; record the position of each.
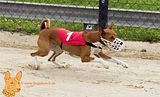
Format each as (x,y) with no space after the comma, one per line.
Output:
(19,75)
(7,75)
(101,30)
(111,24)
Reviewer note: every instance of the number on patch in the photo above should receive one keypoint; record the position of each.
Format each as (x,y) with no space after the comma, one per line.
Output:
(69,36)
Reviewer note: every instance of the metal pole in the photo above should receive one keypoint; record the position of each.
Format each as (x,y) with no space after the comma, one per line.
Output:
(103,13)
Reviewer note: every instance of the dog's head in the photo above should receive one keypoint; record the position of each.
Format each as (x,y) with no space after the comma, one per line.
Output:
(108,33)
(94,36)
(12,84)
(109,38)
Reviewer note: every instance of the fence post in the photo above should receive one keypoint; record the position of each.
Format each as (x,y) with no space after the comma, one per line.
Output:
(103,17)
(103,13)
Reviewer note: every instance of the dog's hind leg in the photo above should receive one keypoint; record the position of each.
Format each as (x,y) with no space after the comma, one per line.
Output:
(36,65)
(56,52)
(40,52)
(51,56)
(56,55)
(54,59)
(43,50)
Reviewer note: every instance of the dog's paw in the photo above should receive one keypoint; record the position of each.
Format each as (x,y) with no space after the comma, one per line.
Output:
(63,65)
(54,62)
(106,67)
(123,64)
(119,62)
(91,58)
(34,66)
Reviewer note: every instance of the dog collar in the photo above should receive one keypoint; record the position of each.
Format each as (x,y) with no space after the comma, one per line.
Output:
(93,45)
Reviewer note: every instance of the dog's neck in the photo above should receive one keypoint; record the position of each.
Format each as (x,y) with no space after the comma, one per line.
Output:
(93,36)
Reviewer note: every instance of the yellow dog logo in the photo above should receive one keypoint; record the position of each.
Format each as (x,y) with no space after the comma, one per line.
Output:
(12,84)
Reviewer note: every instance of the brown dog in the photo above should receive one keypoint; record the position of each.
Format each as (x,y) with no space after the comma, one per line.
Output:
(49,40)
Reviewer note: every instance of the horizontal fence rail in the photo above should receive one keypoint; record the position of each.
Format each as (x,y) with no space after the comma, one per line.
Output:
(82,14)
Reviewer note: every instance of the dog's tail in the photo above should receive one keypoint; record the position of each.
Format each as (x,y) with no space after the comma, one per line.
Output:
(45,24)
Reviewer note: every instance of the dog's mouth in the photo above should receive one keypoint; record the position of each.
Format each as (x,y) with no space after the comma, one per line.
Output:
(116,45)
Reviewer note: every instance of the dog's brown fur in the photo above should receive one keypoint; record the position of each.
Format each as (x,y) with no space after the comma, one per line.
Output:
(48,40)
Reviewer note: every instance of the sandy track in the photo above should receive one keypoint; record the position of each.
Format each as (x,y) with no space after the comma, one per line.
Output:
(141,79)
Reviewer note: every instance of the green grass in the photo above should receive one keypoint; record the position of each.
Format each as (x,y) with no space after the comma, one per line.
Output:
(32,27)
(136,4)
(127,4)
(66,2)
(18,25)
(138,34)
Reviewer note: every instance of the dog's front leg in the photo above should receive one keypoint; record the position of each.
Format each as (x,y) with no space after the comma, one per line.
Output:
(85,59)
(119,62)
(101,60)
(85,54)
(53,59)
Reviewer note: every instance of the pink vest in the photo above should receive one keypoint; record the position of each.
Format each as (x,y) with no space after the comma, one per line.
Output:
(71,38)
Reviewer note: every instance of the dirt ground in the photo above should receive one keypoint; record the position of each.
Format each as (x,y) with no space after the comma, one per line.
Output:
(141,79)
